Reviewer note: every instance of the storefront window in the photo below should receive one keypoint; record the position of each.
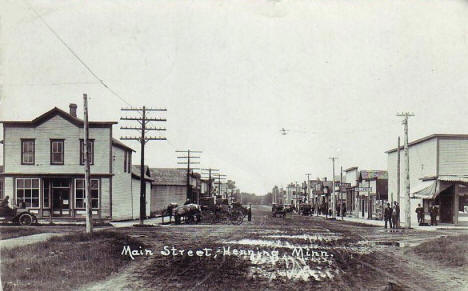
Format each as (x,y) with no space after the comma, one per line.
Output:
(27,191)
(80,199)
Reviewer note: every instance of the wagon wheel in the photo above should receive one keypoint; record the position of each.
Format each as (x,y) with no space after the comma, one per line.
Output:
(208,216)
(26,219)
(236,217)
(177,219)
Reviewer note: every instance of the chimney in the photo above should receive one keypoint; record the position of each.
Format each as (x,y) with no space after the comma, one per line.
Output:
(73,109)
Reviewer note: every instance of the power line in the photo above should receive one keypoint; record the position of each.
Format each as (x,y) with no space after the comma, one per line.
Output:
(188,163)
(143,139)
(88,68)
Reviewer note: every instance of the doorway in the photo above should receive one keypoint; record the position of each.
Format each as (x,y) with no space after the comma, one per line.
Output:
(60,197)
(446,205)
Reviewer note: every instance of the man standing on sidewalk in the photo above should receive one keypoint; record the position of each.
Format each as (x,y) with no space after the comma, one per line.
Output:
(397,214)
(420,213)
(434,211)
(394,217)
(388,215)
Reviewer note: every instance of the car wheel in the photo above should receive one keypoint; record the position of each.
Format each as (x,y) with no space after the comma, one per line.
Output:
(26,219)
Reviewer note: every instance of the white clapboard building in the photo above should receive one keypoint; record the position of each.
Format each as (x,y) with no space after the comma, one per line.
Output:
(43,165)
(438,175)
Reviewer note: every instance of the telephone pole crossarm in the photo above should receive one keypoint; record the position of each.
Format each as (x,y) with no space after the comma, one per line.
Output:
(143,120)
(141,109)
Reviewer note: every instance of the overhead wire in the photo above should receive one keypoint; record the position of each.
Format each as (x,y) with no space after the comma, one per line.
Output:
(82,62)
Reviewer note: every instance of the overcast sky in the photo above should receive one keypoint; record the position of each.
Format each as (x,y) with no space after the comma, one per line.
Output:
(233,73)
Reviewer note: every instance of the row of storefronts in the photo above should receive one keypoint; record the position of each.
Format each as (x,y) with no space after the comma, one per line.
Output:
(438,175)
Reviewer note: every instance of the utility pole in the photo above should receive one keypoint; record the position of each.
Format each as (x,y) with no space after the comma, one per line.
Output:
(219,176)
(308,188)
(341,194)
(398,180)
(89,208)
(333,193)
(188,163)
(143,120)
(210,171)
(407,177)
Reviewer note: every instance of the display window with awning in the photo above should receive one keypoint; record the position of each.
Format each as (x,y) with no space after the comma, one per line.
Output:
(428,189)
(449,193)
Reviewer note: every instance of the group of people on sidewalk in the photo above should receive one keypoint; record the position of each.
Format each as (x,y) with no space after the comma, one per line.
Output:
(392,215)
(433,212)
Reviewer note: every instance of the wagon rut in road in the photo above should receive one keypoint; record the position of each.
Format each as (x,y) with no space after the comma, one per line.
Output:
(302,256)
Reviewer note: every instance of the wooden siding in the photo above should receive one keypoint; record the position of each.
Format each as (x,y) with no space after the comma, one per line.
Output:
(162,196)
(55,128)
(423,163)
(352,177)
(105,197)
(136,197)
(453,156)
(122,204)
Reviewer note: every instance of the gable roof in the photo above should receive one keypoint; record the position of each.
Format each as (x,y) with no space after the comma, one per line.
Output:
(119,144)
(373,174)
(350,169)
(136,172)
(54,112)
(426,138)
(169,176)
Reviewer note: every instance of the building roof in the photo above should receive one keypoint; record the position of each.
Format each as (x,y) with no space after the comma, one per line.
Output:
(121,145)
(373,174)
(350,169)
(54,112)
(429,137)
(136,172)
(169,176)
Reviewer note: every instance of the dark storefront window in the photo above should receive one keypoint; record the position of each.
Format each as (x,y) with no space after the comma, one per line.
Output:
(27,190)
(80,199)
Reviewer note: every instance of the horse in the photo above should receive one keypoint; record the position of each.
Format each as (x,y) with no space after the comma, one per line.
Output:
(191,212)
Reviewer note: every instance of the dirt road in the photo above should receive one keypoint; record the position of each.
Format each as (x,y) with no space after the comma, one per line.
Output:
(279,254)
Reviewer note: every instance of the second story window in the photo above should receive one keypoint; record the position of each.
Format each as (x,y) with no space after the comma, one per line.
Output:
(56,151)
(27,151)
(90,151)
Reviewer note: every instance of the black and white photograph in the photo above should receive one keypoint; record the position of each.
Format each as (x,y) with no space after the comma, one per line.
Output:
(233,145)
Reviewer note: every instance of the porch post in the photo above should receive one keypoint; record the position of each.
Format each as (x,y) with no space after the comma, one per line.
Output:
(456,200)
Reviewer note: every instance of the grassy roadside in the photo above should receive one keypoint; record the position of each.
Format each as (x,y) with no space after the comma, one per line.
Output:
(449,251)
(66,262)
(17,231)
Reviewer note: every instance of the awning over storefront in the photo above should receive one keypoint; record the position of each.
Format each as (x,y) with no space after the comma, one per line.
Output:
(454,178)
(428,189)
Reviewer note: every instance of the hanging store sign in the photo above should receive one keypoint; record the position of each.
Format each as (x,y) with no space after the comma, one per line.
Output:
(363,189)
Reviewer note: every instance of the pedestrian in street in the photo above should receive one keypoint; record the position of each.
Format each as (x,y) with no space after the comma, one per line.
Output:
(388,215)
(249,213)
(420,213)
(433,212)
